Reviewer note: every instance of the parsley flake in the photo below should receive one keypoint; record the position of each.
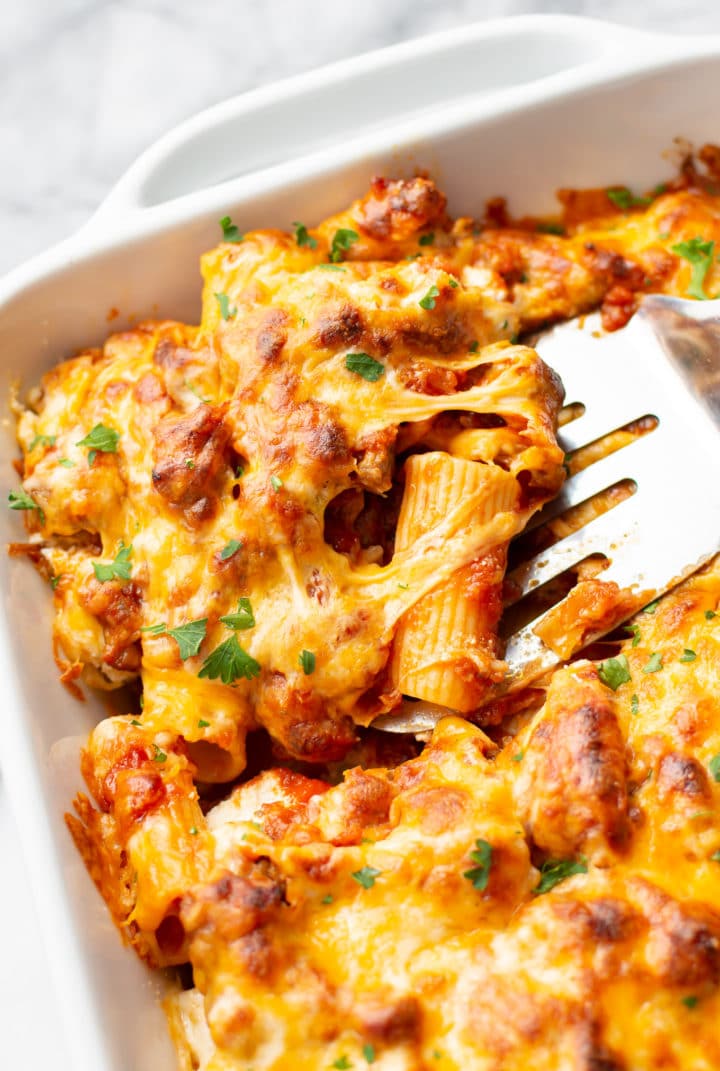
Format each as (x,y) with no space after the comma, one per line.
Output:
(690,1001)
(634,631)
(553,871)
(474,346)
(715,857)
(307,662)
(699,255)
(302,237)
(226,312)
(160,755)
(229,663)
(365,876)
(342,1063)
(193,831)
(714,767)
(55,580)
(550,228)
(369,1052)
(134,721)
(330,267)
(22,500)
(327,899)
(651,607)
(403,587)
(189,637)
(230,231)
(230,548)
(479,875)
(427,239)
(687,656)
(634,704)
(624,198)
(43,440)
(654,663)
(428,302)
(276,483)
(517,757)
(154,630)
(614,671)
(362,364)
(101,440)
(119,569)
(342,240)
(242,618)
(66,463)
(202,724)
(709,615)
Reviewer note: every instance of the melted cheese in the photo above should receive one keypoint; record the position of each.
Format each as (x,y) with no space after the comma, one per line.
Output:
(396,917)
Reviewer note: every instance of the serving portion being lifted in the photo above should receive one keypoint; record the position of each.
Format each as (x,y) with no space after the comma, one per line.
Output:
(275,527)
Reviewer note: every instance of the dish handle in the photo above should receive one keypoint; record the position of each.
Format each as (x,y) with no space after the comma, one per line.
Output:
(314,111)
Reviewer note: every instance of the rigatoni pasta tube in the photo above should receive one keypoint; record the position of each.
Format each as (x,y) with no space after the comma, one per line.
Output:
(445,647)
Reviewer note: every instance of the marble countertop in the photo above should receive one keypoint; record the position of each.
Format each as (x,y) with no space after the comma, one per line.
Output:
(85,85)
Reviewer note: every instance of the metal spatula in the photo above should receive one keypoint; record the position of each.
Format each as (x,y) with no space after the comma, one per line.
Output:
(665,364)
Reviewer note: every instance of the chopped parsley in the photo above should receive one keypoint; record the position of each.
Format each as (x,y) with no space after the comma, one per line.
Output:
(307,662)
(699,255)
(302,237)
(634,704)
(428,302)
(365,876)
(154,630)
(134,721)
(550,228)
(624,198)
(159,755)
(427,239)
(403,587)
(687,656)
(118,569)
(242,618)
(202,724)
(327,899)
(276,483)
(715,857)
(330,267)
(553,871)
(66,463)
(479,875)
(230,548)
(342,240)
(634,631)
(226,312)
(362,364)
(342,1063)
(43,440)
(193,831)
(229,663)
(614,671)
(654,663)
(189,463)
(474,346)
(189,637)
(55,580)
(517,757)
(690,1001)
(22,500)
(453,282)
(101,440)
(714,767)
(369,1052)
(230,231)
(239,471)
(709,615)
(651,607)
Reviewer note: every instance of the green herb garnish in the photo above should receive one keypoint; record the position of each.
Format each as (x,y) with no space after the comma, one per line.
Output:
(101,440)
(428,302)
(242,618)
(230,231)
(614,671)
(365,876)
(307,662)
(189,637)
(553,871)
(229,663)
(362,364)
(479,875)
(119,569)
(654,663)
(342,240)
(699,255)
(302,237)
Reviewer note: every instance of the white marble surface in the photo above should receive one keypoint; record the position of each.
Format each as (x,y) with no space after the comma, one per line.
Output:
(85,85)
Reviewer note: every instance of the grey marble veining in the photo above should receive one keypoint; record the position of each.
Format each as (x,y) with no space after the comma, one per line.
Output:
(85,85)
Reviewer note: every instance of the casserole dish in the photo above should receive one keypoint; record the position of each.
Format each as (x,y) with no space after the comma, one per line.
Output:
(524,106)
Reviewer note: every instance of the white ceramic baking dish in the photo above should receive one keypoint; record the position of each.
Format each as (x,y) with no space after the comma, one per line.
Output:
(517,107)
